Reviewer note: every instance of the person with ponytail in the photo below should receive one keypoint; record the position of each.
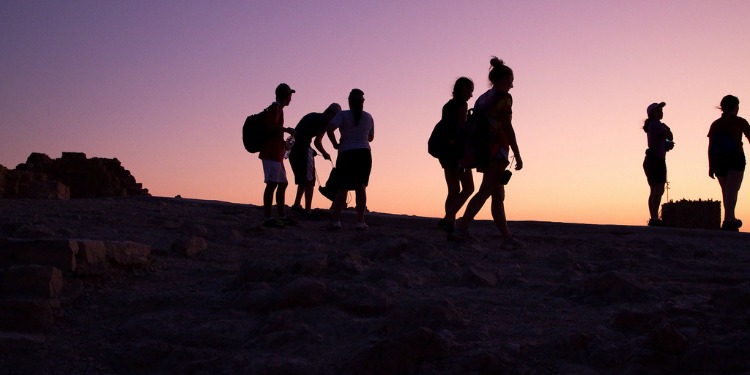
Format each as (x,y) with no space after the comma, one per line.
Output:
(726,158)
(497,104)
(660,140)
(354,161)
(460,180)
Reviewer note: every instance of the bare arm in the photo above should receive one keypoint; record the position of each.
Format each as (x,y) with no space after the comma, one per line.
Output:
(319,145)
(511,135)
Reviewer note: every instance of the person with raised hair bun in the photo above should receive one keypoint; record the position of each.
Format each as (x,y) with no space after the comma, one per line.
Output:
(726,158)
(497,104)
(660,140)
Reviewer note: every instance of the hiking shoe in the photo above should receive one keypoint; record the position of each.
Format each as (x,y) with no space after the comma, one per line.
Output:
(273,223)
(286,220)
(732,226)
(655,223)
(361,226)
(333,227)
(446,225)
(298,209)
(512,243)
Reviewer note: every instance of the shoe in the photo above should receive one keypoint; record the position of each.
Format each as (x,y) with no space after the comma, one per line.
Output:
(446,225)
(512,243)
(298,209)
(333,227)
(361,226)
(459,235)
(655,223)
(732,226)
(286,220)
(273,223)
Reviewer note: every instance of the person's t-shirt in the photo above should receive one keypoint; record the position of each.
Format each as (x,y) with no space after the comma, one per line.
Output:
(657,138)
(353,136)
(734,127)
(498,106)
(308,128)
(273,146)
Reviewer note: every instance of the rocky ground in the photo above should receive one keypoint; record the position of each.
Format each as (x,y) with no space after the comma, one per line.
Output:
(222,295)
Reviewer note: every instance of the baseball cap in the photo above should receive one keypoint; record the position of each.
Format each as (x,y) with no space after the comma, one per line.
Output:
(654,106)
(283,89)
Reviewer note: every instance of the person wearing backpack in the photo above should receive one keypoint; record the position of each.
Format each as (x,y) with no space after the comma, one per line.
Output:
(302,156)
(354,160)
(496,104)
(726,158)
(449,145)
(272,156)
(660,140)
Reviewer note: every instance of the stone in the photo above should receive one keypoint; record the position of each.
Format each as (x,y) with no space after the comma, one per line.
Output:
(628,320)
(668,339)
(48,189)
(365,301)
(25,315)
(190,246)
(303,292)
(476,275)
(10,341)
(430,313)
(31,281)
(57,253)
(127,254)
(91,258)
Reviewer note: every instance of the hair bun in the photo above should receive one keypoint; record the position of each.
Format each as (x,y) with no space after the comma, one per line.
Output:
(495,62)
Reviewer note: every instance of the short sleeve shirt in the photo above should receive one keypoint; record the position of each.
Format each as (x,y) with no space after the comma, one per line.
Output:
(353,136)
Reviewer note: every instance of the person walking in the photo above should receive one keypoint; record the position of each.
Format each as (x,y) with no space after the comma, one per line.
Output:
(354,160)
(496,104)
(660,140)
(302,156)
(460,180)
(272,157)
(726,158)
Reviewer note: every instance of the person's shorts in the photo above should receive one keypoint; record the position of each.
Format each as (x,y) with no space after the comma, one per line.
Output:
(656,170)
(303,165)
(274,171)
(721,165)
(448,163)
(354,168)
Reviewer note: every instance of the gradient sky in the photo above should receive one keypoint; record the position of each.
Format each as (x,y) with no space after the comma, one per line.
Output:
(164,86)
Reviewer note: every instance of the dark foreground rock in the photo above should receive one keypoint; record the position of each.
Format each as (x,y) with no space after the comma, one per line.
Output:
(157,285)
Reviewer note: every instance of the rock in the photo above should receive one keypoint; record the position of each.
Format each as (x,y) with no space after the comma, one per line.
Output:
(611,287)
(10,341)
(91,258)
(400,355)
(311,264)
(429,313)
(25,315)
(303,292)
(668,339)
(189,247)
(56,253)
(365,301)
(476,275)
(127,254)
(629,320)
(31,281)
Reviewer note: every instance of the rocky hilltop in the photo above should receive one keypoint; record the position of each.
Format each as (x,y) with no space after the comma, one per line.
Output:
(143,285)
(70,176)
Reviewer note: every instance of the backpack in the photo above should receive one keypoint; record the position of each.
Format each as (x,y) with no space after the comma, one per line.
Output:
(476,139)
(254,132)
(437,144)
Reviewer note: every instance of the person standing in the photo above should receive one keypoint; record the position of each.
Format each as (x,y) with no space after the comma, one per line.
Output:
(354,161)
(302,156)
(460,180)
(726,158)
(497,104)
(272,157)
(660,140)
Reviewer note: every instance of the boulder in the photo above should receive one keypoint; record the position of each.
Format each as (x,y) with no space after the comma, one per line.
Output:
(56,253)
(127,254)
(25,315)
(31,281)
(189,246)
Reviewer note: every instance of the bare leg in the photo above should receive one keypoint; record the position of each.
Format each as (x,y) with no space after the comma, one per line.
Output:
(298,197)
(338,205)
(280,196)
(498,211)
(309,190)
(490,180)
(654,200)
(361,201)
(268,198)
(730,187)
(460,187)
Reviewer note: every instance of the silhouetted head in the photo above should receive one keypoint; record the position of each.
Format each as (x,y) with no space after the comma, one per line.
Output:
(356,100)
(501,75)
(729,104)
(332,110)
(654,112)
(284,94)
(463,89)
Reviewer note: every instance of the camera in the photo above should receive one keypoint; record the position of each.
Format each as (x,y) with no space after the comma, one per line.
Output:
(669,144)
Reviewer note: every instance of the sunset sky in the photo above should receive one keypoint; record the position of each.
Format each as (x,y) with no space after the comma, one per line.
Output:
(164,86)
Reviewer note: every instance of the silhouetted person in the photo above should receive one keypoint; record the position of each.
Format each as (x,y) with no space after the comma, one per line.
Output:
(497,104)
(354,161)
(272,156)
(726,158)
(460,180)
(302,156)
(660,140)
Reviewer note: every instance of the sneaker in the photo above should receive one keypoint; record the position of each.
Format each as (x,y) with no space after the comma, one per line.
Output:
(732,226)
(333,227)
(512,243)
(298,209)
(286,220)
(446,225)
(273,223)
(361,226)
(655,223)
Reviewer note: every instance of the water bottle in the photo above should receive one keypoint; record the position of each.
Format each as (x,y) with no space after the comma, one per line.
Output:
(288,146)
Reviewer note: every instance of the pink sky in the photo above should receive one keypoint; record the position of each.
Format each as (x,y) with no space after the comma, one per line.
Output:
(164,87)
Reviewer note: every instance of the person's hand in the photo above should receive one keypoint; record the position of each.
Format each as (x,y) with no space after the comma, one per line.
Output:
(711,173)
(326,156)
(291,131)
(336,146)
(519,163)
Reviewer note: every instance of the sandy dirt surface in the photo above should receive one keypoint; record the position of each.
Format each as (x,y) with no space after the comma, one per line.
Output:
(395,299)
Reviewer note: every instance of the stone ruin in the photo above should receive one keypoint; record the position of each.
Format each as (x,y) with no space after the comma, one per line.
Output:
(700,214)
(71,176)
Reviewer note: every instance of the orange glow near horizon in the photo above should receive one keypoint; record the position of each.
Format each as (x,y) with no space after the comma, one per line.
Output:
(165,87)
